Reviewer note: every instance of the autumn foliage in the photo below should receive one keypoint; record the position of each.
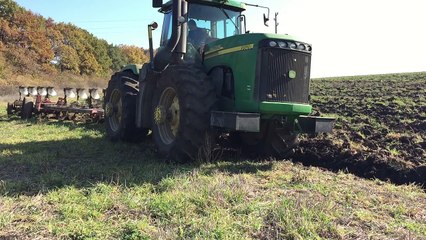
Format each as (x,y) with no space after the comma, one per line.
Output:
(32,44)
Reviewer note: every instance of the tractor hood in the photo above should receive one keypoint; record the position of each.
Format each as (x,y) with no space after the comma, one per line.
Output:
(241,57)
(242,42)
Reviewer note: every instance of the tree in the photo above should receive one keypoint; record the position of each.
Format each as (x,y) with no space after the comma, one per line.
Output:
(55,38)
(28,31)
(100,52)
(89,65)
(22,59)
(134,54)
(8,8)
(78,39)
(68,59)
(118,58)
(3,65)
(34,44)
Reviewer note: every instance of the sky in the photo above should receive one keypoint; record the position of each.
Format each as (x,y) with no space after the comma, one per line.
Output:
(349,37)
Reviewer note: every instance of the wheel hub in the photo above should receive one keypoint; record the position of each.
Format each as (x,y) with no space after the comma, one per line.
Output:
(159,115)
(167,115)
(113,110)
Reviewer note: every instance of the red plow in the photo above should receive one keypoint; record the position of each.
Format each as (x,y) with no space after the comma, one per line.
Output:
(76,104)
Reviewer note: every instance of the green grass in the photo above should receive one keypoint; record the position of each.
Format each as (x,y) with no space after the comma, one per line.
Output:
(65,181)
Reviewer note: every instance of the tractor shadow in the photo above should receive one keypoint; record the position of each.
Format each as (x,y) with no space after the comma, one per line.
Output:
(34,167)
(72,125)
(37,167)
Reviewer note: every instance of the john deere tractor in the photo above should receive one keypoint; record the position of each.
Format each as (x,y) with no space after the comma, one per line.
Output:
(210,76)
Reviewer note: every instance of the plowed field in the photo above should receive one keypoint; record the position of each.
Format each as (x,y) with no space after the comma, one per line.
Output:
(380,131)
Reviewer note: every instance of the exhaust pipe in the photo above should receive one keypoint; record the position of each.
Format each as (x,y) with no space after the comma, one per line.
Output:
(175,49)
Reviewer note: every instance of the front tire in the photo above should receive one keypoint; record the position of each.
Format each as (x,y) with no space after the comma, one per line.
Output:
(182,103)
(120,108)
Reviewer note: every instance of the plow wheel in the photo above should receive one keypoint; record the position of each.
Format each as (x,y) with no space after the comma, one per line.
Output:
(27,108)
(181,107)
(120,108)
(272,141)
(9,109)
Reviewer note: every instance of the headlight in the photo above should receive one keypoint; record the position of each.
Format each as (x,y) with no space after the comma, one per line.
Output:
(282,44)
(23,90)
(309,48)
(82,93)
(69,93)
(94,93)
(293,45)
(301,47)
(41,91)
(272,44)
(32,91)
(51,91)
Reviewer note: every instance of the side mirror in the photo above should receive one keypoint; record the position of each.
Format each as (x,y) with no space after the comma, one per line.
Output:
(153,25)
(157,3)
(265,20)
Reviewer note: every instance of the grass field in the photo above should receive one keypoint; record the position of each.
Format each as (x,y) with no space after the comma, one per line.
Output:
(61,180)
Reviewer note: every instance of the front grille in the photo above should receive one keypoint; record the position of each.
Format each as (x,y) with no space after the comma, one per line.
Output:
(276,81)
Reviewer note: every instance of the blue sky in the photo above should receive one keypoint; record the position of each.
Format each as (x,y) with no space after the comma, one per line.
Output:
(350,37)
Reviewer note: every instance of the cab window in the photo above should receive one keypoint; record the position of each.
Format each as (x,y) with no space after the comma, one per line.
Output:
(166,33)
(217,22)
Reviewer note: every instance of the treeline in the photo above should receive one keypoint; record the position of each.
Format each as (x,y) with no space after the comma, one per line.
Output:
(31,44)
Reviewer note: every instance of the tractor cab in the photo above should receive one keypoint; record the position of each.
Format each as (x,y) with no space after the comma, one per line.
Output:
(206,23)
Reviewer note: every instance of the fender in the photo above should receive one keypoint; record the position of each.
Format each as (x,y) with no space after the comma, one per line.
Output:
(135,68)
(147,85)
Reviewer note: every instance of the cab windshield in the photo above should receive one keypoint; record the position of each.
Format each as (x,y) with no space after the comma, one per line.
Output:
(206,24)
(218,22)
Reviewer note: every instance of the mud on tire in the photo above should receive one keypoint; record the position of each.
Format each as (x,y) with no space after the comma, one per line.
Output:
(120,106)
(181,107)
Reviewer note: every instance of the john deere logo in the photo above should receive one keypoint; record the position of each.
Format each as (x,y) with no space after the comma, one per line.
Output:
(292,74)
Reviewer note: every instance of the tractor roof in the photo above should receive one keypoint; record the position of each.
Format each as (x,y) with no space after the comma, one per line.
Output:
(231,4)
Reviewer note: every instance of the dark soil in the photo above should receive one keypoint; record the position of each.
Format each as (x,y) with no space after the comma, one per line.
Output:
(380,131)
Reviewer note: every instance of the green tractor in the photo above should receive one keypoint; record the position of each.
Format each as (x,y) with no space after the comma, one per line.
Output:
(210,76)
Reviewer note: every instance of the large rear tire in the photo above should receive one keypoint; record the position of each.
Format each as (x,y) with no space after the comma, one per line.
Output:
(120,108)
(27,108)
(182,103)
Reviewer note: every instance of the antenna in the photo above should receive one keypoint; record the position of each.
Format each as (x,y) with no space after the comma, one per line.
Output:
(276,22)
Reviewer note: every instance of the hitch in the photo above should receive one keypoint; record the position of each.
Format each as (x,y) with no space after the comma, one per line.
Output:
(313,124)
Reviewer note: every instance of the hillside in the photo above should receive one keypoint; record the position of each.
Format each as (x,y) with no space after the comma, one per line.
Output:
(37,50)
